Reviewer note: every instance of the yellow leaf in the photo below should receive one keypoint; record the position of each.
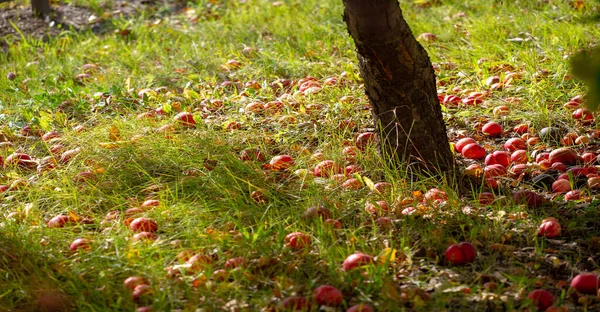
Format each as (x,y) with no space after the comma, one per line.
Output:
(114,134)
(369,184)
(387,255)
(73,217)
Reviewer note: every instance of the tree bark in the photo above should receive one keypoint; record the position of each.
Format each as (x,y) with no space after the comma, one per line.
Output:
(41,8)
(400,84)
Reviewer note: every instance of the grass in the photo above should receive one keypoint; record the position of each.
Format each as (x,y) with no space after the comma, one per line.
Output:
(212,212)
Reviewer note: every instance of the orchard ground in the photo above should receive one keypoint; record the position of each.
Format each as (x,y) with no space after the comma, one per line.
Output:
(179,116)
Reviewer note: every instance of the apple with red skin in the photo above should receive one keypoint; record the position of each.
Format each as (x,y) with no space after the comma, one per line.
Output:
(133,281)
(383,187)
(150,203)
(558,166)
(59,221)
(50,135)
(141,290)
(334,223)
(281,162)
(588,158)
(143,225)
(462,143)
(542,299)
(498,157)
(584,115)
(521,129)
(519,157)
(461,253)
(316,212)
(361,307)
(573,195)
(365,139)
(586,283)
(561,186)
(144,309)
(294,303)
(80,243)
(473,151)
(492,129)
(514,144)
(351,169)
(531,198)
(19,159)
(326,168)
(251,154)
(185,119)
(297,240)
(496,170)
(564,155)
(549,228)
(328,295)
(356,260)
(434,194)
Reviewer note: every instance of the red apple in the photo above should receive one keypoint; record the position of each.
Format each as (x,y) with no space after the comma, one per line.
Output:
(564,155)
(185,119)
(141,290)
(469,251)
(281,162)
(327,168)
(519,157)
(317,212)
(81,243)
(573,195)
(521,129)
(365,139)
(561,186)
(462,143)
(514,144)
(294,303)
(328,295)
(549,228)
(586,283)
(133,281)
(498,157)
(473,151)
(361,307)
(58,221)
(455,255)
(297,240)
(50,135)
(583,115)
(150,203)
(334,223)
(588,158)
(435,194)
(492,129)
(20,159)
(357,260)
(493,171)
(531,198)
(558,166)
(143,225)
(541,298)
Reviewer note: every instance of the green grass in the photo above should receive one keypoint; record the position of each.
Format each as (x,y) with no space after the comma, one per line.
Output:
(212,211)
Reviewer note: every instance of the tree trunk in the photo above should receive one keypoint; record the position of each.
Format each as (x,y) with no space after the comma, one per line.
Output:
(400,84)
(40,8)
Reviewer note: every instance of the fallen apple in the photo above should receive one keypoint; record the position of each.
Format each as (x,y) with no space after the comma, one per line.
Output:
(586,283)
(498,157)
(473,151)
(492,129)
(564,155)
(133,281)
(185,119)
(357,260)
(541,298)
(361,307)
(462,143)
(294,303)
(514,144)
(81,243)
(297,240)
(281,162)
(327,168)
(143,225)
(328,295)
(461,253)
(549,228)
